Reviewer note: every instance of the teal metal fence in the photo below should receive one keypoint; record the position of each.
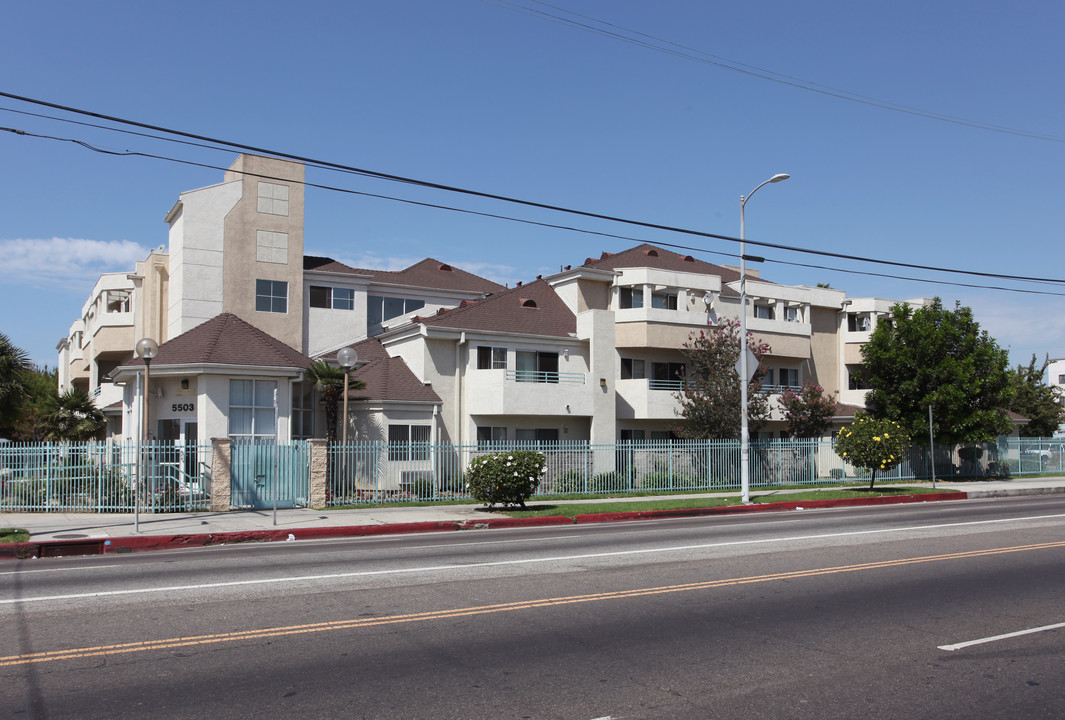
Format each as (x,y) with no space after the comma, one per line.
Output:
(104,477)
(265,475)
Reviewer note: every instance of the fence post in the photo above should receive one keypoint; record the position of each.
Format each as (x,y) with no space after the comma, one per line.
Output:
(221,483)
(319,471)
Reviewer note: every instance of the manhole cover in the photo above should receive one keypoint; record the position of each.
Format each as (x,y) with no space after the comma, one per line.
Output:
(69,536)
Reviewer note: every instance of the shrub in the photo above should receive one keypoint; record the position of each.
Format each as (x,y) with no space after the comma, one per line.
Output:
(422,488)
(872,444)
(569,482)
(506,478)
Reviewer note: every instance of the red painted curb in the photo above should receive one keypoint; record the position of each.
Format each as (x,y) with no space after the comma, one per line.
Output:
(106,546)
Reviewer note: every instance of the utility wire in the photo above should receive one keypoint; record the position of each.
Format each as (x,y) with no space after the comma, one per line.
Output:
(668,47)
(130,153)
(517,201)
(555,226)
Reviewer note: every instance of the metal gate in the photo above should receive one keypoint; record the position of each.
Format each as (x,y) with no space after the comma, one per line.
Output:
(263,473)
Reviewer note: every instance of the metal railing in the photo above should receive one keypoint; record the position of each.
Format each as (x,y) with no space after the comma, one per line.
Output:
(104,477)
(537,376)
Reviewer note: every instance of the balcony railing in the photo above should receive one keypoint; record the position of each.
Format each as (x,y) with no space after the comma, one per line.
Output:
(668,385)
(777,389)
(537,376)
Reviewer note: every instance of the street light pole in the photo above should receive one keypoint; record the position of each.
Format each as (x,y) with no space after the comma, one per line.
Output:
(146,348)
(745,446)
(347,357)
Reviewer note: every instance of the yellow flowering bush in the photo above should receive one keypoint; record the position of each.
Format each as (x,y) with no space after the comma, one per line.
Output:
(872,444)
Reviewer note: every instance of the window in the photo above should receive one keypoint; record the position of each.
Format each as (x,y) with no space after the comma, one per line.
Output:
(666,301)
(764,312)
(1061,379)
(855,381)
(271,247)
(251,408)
(488,435)
(302,410)
(538,436)
(332,298)
(633,369)
(117,301)
(408,442)
(789,377)
(791,314)
(768,379)
(379,309)
(539,367)
(630,297)
(857,322)
(271,296)
(672,372)
(273,198)
(491,358)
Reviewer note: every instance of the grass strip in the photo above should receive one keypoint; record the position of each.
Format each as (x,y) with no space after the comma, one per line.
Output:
(13,535)
(540,509)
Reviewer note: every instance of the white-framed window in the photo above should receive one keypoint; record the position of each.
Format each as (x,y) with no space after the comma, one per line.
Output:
(765,312)
(251,409)
(302,410)
(273,198)
(379,308)
(664,300)
(332,298)
(858,322)
(491,358)
(271,247)
(791,313)
(408,442)
(633,369)
(271,296)
(630,297)
(490,435)
(789,377)
(533,366)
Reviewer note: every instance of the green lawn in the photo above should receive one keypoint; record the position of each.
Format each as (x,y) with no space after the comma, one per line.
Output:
(538,508)
(12,535)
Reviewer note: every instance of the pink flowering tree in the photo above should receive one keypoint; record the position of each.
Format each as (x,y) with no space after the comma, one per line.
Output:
(808,410)
(710,401)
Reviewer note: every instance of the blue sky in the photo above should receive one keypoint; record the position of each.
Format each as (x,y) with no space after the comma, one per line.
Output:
(493,96)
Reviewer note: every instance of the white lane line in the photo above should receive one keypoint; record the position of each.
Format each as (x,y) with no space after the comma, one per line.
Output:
(44,570)
(959,646)
(502,563)
(483,543)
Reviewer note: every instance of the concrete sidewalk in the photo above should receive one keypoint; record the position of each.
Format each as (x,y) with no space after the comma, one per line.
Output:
(120,532)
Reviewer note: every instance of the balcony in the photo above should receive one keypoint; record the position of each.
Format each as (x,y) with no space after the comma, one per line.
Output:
(528,392)
(648,399)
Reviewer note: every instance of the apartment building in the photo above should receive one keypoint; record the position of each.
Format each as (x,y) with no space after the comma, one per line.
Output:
(590,354)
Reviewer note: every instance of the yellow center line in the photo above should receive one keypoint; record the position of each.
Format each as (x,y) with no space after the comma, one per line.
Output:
(276,632)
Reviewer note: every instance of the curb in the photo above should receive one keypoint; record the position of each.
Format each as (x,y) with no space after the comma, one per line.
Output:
(142,543)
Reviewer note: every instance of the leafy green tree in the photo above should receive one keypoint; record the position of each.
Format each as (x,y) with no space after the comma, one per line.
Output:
(938,357)
(808,411)
(1036,400)
(14,366)
(710,401)
(329,382)
(42,396)
(872,444)
(74,417)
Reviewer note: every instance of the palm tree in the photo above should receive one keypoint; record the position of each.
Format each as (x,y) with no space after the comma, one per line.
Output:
(329,382)
(74,417)
(14,365)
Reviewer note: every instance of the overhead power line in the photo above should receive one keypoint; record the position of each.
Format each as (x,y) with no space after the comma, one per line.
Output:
(327,165)
(668,47)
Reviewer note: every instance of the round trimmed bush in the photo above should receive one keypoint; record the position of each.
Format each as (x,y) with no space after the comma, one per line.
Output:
(505,478)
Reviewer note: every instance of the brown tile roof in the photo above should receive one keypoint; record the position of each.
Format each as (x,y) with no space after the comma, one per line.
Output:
(648,255)
(533,309)
(225,340)
(367,350)
(389,378)
(428,273)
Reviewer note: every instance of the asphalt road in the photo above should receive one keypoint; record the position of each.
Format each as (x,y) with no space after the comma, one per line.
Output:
(858,613)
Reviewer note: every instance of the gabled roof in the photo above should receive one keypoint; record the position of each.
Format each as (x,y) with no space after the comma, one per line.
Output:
(225,340)
(649,256)
(389,378)
(368,350)
(427,273)
(533,309)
